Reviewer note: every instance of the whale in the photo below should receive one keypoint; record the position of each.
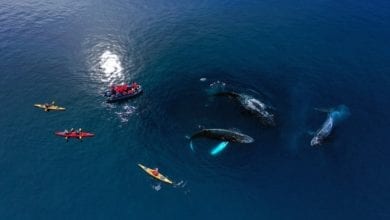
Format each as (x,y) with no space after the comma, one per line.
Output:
(253,106)
(334,117)
(223,135)
(323,132)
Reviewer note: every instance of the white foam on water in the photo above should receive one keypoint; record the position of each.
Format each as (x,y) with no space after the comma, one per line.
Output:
(157,187)
(126,113)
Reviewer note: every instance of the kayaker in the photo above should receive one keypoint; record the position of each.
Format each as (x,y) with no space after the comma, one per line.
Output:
(66,135)
(155,172)
(46,107)
(78,132)
(71,130)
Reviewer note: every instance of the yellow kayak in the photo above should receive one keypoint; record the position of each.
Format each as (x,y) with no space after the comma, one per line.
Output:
(159,176)
(50,107)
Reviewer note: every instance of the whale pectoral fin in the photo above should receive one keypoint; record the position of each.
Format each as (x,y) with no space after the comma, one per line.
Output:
(219,148)
(192,146)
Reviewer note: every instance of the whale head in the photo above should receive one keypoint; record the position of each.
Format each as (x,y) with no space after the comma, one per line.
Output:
(247,140)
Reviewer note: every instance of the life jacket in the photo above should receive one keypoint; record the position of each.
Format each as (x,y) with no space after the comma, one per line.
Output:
(134,85)
(121,88)
(155,172)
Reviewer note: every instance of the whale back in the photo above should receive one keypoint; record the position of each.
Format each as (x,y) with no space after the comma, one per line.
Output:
(323,132)
(228,94)
(223,134)
(257,108)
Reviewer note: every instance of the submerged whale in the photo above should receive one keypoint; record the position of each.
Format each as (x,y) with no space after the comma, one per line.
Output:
(335,116)
(223,135)
(253,106)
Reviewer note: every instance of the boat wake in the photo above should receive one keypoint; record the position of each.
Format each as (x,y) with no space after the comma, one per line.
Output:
(182,185)
(215,150)
(126,112)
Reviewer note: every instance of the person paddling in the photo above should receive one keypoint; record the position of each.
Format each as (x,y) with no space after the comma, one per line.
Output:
(79,133)
(47,106)
(155,172)
(66,135)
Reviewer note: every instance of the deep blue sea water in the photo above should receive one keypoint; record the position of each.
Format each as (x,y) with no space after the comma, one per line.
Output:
(293,55)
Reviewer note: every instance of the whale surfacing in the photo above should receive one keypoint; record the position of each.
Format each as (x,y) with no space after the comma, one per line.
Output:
(323,132)
(335,116)
(223,135)
(253,106)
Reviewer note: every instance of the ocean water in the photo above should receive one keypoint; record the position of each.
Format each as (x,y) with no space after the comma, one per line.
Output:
(293,55)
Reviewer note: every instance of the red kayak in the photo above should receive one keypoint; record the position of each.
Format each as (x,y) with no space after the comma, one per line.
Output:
(74,134)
